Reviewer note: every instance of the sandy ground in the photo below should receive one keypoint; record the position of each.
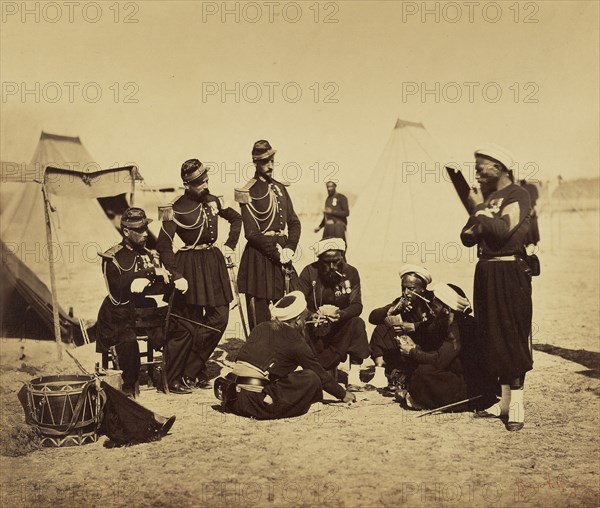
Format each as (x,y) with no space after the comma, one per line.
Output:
(372,453)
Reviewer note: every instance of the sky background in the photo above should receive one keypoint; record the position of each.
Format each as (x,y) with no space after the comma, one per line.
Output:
(177,51)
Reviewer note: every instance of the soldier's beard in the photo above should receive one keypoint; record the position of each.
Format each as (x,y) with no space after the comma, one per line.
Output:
(267,174)
(137,244)
(329,277)
(198,194)
(488,185)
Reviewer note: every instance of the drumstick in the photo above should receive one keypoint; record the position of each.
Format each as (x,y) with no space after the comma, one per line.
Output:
(77,362)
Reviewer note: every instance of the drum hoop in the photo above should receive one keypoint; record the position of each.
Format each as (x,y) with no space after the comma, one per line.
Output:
(77,410)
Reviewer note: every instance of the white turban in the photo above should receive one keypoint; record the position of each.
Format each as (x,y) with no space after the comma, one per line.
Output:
(289,307)
(498,153)
(450,297)
(329,244)
(420,271)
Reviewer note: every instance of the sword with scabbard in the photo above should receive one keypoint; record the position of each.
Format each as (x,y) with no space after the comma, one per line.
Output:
(287,269)
(232,279)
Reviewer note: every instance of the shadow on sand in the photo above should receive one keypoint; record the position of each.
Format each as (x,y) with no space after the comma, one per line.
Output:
(589,359)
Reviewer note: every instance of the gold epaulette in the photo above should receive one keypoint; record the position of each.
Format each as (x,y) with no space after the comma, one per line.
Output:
(242,195)
(166,212)
(111,253)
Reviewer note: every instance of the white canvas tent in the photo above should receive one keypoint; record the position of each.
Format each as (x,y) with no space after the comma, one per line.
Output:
(408,210)
(79,229)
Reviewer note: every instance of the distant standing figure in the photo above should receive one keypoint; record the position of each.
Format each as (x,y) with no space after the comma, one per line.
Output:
(335,215)
(533,236)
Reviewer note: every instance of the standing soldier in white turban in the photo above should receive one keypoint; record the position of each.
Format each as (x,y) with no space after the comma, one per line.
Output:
(199,268)
(502,294)
(332,290)
(272,229)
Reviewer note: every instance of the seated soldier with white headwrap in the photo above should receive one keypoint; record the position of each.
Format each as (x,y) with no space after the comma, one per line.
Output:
(332,290)
(406,315)
(264,383)
(438,379)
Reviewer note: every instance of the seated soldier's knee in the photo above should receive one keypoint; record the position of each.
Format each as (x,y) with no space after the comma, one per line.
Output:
(357,321)
(310,377)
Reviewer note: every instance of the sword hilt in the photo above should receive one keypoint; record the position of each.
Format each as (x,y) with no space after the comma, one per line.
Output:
(230,263)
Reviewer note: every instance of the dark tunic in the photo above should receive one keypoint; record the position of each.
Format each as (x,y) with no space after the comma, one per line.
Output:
(121,265)
(269,210)
(346,336)
(438,379)
(383,338)
(335,221)
(116,325)
(195,221)
(279,351)
(502,289)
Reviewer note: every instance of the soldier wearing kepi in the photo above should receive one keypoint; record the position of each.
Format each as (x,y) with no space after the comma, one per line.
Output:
(335,215)
(266,271)
(502,292)
(199,268)
(332,289)
(133,274)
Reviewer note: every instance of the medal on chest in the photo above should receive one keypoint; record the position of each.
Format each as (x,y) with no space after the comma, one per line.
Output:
(143,262)
(495,205)
(343,288)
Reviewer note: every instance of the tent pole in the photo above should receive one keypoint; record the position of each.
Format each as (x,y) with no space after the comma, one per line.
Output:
(52,273)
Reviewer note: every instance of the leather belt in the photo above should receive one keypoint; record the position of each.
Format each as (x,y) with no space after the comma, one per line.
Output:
(274,233)
(252,381)
(202,246)
(247,380)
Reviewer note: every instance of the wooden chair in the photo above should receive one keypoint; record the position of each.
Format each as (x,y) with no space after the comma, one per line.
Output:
(145,318)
